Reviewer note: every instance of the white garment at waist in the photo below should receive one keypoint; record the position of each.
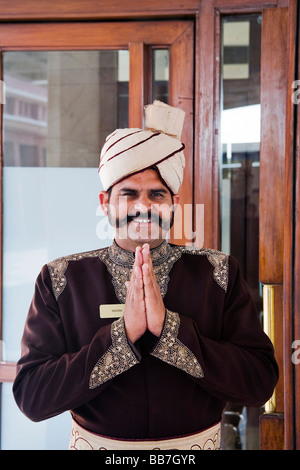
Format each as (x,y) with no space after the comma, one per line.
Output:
(209,439)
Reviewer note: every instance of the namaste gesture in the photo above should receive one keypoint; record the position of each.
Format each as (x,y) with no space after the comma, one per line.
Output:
(144,307)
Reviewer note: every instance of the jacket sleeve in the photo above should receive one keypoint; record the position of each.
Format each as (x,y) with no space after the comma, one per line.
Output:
(240,367)
(50,379)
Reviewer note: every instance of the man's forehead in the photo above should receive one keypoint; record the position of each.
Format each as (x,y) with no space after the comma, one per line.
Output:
(144,180)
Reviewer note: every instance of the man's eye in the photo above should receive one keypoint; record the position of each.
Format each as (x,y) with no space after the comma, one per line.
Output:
(129,194)
(157,194)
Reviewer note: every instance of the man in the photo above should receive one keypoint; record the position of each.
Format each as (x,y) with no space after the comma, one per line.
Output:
(144,341)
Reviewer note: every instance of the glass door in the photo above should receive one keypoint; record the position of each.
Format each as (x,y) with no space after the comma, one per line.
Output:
(61,101)
(239,163)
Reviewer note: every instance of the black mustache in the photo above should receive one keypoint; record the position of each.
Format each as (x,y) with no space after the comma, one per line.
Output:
(152,216)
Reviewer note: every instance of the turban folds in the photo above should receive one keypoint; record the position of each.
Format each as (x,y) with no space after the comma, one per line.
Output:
(128,151)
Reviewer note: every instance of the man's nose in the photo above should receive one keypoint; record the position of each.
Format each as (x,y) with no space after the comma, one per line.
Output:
(143,204)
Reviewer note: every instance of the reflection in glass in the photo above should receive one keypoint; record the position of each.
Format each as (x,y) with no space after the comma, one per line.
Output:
(239,180)
(160,80)
(60,106)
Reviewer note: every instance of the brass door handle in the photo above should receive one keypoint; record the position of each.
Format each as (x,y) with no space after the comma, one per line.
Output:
(269,329)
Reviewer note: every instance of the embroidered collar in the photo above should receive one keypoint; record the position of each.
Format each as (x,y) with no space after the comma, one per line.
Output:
(119,262)
(126,258)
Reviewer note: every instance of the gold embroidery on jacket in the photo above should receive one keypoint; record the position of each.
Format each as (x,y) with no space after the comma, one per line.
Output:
(218,260)
(119,263)
(220,263)
(58,267)
(118,358)
(171,350)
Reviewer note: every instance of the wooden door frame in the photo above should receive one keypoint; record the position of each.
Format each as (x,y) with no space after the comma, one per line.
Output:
(292,238)
(206,15)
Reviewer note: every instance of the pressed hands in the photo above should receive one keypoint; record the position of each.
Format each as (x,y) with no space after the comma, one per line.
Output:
(144,306)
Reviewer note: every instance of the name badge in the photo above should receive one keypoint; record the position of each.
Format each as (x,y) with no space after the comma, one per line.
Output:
(111,310)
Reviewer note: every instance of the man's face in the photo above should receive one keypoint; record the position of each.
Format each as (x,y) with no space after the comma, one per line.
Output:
(141,209)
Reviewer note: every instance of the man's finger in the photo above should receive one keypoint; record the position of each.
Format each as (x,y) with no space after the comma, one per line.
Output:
(138,260)
(155,309)
(137,279)
(146,254)
(149,282)
(147,260)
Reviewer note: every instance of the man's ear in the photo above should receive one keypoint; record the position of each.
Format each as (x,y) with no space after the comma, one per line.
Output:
(103,198)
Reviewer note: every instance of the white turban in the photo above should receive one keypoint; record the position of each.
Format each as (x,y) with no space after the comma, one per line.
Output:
(128,151)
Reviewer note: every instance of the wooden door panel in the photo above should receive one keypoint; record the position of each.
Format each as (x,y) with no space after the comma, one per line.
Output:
(291,324)
(138,83)
(271,200)
(182,96)
(272,166)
